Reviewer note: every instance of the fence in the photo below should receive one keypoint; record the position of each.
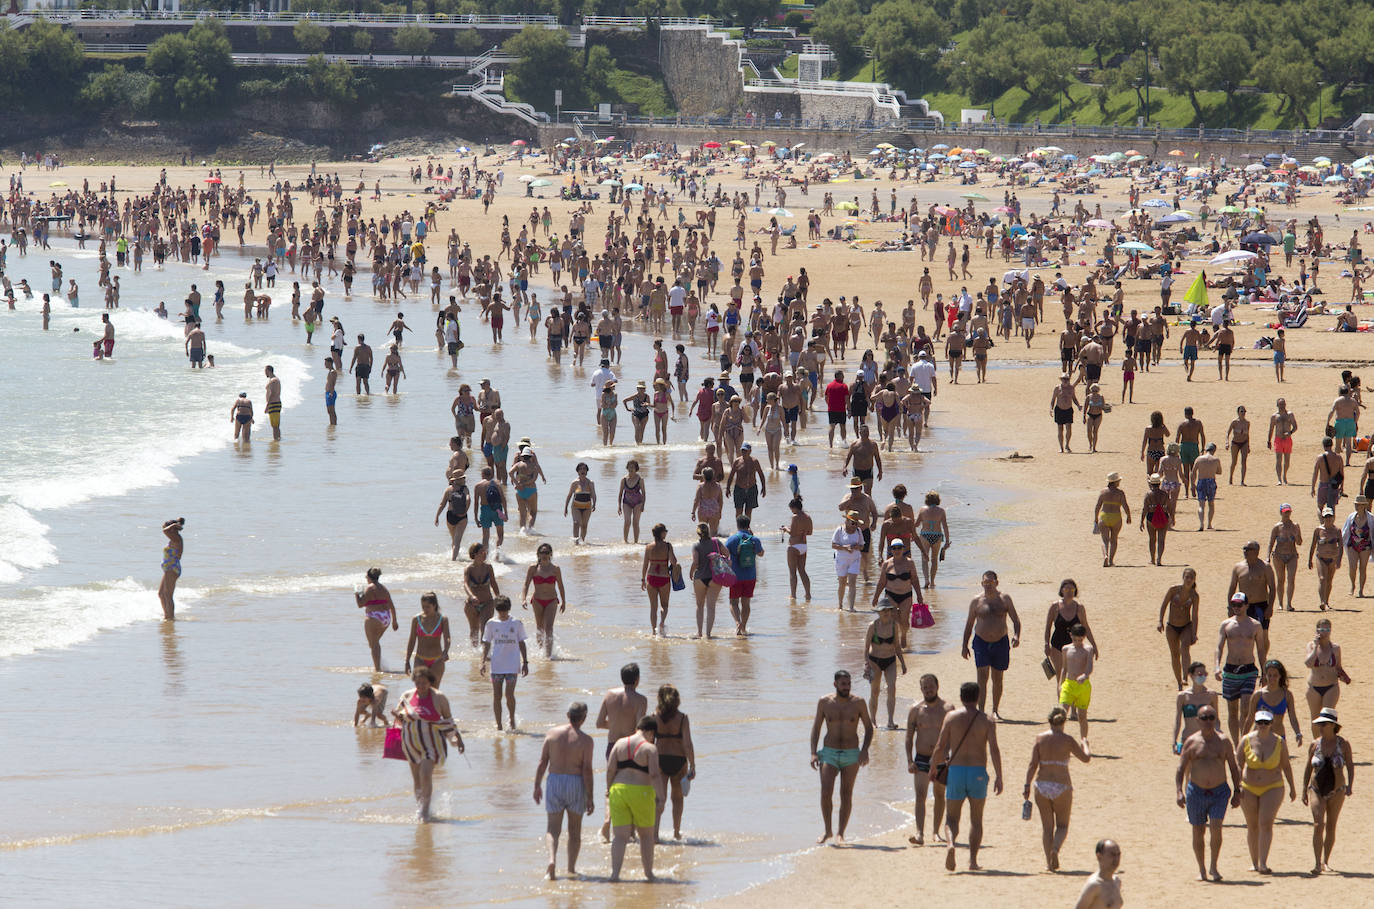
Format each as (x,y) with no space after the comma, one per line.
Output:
(284,18)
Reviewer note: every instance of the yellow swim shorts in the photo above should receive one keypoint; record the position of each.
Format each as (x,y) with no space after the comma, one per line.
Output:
(1076,694)
(631,805)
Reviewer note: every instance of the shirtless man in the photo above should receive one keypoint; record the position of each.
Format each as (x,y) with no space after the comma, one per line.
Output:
(708,459)
(1285,540)
(923,724)
(567,757)
(1064,405)
(1238,674)
(331,379)
(1328,477)
(1191,438)
(195,346)
(1342,419)
(621,710)
(746,482)
(865,454)
(1282,425)
(987,625)
(967,739)
(274,402)
(1255,578)
(1206,469)
(1187,345)
(841,754)
(1103,887)
(1238,443)
(1203,762)
(361,367)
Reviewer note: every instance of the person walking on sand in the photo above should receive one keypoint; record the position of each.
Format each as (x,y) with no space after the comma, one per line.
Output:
(1325,672)
(1048,772)
(567,758)
(1154,518)
(1204,761)
(1178,622)
(1206,469)
(1189,701)
(1075,683)
(1237,637)
(1285,541)
(1342,421)
(1357,535)
(1110,513)
(923,723)
(1064,405)
(1238,443)
(1328,779)
(841,755)
(1282,425)
(171,566)
(1102,890)
(968,739)
(987,626)
(1267,766)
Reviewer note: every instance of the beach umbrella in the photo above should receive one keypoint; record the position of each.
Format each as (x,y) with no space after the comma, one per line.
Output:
(568,140)
(736,141)
(940,146)
(1068,157)
(1011,276)
(1176,153)
(1132,152)
(1135,246)
(610,181)
(929,167)
(1255,211)
(1255,168)
(462,150)
(981,151)
(780,212)
(1232,210)
(1098,223)
(1134,159)
(1334,178)
(520,142)
(1155,203)
(712,144)
(976,197)
(882,145)
(848,206)
(526,178)
(1017,230)
(207,180)
(1175,217)
(1258,239)
(769,143)
(1030,165)
(1232,257)
(651,156)
(541,182)
(1096,172)
(968,165)
(997,159)
(1363,162)
(937,157)
(633,187)
(1051,148)
(1321,159)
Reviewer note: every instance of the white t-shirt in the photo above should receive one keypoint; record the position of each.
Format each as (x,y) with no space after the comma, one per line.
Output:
(843,537)
(677,296)
(923,375)
(504,638)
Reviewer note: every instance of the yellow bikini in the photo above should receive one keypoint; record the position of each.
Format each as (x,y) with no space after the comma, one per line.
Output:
(1253,762)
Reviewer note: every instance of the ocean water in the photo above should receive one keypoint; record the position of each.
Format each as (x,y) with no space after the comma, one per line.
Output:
(222,744)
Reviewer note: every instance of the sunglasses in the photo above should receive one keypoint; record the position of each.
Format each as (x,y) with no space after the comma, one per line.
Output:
(1262,722)
(1206,719)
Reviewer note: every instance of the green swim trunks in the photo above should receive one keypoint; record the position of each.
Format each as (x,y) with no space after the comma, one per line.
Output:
(1188,451)
(1345,428)
(839,758)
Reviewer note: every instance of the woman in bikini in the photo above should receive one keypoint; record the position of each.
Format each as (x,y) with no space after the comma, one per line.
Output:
(637,405)
(708,501)
(1065,613)
(1178,618)
(1325,672)
(1048,772)
(1327,547)
(610,410)
(706,586)
(1154,518)
(1110,514)
(1284,540)
(656,576)
(429,638)
(546,579)
(581,500)
(630,499)
(171,566)
(731,433)
(662,401)
(934,536)
(770,422)
(798,530)
(897,527)
(1327,780)
(455,502)
(1276,698)
(481,590)
(426,721)
(1358,536)
(1152,442)
(1238,443)
(375,601)
(677,757)
(1171,471)
(882,655)
(1265,766)
(1189,701)
(1094,406)
(899,579)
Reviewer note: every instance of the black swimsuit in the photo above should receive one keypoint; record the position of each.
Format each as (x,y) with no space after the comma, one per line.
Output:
(1061,638)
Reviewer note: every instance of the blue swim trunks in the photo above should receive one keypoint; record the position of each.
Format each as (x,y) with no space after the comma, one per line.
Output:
(996,654)
(1206,489)
(1203,804)
(966,782)
(839,758)
(1278,356)
(1189,352)
(1345,428)
(488,516)
(330,397)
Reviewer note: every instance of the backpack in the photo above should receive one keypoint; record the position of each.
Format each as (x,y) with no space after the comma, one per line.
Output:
(493,495)
(461,500)
(722,572)
(744,552)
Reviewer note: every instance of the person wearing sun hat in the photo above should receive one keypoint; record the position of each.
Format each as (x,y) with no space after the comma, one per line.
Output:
(847,543)
(1328,548)
(1358,537)
(1154,518)
(1107,516)
(1328,779)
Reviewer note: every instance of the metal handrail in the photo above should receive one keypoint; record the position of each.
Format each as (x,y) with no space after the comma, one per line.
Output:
(478,20)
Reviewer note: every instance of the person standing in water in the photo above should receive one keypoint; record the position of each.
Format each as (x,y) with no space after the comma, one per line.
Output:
(567,757)
(426,721)
(171,566)
(273,402)
(923,724)
(544,588)
(241,415)
(503,647)
(635,795)
(375,601)
(841,755)
(430,637)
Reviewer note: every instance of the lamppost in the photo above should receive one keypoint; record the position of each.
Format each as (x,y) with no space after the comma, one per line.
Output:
(1146,44)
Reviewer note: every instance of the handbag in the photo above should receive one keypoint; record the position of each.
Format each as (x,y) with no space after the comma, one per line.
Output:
(722,571)
(392,749)
(942,772)
(920,615)
(676,576)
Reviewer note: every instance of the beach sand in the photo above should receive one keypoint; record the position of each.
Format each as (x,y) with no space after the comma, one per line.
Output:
(1040,535)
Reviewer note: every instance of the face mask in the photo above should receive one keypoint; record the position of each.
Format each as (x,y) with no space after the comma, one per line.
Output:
(1200,678)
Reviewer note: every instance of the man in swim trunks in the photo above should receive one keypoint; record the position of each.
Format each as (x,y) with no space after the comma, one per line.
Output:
(1187,344)
(1282,425)
(361,367)
(987,626)
(1191,437)
(865,455)
(567,756)
(746,482)
(1206,469)
(274,402)
(1254,577)
(841,755)
(1342,419)
(621,710)
(967,739)
(1076,687)
(1064,404)
(331,379)
(1237,636)
(923,724)
(1203,762)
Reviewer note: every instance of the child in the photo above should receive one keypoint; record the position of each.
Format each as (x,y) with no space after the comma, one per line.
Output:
(371,705)
(793,481)
(1128,378)
(1076,688)
(98,351)
(1280,354)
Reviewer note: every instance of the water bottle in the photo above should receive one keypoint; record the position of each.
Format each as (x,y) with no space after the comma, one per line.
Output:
(1026,810)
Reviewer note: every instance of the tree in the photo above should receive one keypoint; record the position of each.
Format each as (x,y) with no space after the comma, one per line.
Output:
(1186,66)
(362,40)
(54,56)
(14,61)
(116,89)
(984,64)
(906,39)
(311,36)
(840,24)
(193,70)
(597,73)
(1293,76)
(545,64)
(331,81)
(414,40)
(466,40)
(746,13)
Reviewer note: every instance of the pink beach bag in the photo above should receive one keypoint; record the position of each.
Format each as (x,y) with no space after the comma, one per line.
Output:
(392,749)
(920,616)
